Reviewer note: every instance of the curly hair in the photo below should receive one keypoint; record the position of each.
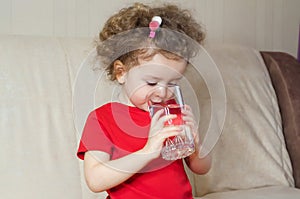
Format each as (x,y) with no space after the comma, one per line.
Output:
(128,29)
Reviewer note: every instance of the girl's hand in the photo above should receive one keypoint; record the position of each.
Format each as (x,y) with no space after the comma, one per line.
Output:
(195,163)
(158,133)
(189,119)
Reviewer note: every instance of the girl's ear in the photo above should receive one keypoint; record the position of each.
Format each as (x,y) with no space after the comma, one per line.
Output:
(120,71)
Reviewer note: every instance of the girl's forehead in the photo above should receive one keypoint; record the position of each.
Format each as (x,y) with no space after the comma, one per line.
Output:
(155,70)
(159,59)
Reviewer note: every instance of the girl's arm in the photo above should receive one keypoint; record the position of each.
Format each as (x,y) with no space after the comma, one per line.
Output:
(101,173)
(194,162)
(198,165)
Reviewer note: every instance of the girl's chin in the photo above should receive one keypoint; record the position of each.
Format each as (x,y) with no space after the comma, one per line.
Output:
(143,107)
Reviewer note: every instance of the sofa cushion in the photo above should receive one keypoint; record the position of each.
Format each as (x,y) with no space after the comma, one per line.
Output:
(251,151)
(38,138)
(285,72)
(274,192)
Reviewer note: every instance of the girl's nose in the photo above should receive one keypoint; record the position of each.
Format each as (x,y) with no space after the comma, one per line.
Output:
(161,92)
(158,95)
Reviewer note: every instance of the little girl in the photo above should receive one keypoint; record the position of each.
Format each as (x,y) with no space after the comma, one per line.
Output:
(121,144)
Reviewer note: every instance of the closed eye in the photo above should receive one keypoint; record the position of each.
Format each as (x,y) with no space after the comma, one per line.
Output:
(152,83)
(172,84)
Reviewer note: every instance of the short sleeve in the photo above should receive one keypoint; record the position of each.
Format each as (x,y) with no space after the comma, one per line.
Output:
(94,137)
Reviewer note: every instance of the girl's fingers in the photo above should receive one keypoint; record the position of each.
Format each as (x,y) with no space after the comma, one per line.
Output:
(157,115)
(158,122)
(187,107)
(166,132)
(187,113)
(162,120)
(170,131)
(189,121)
(189,118)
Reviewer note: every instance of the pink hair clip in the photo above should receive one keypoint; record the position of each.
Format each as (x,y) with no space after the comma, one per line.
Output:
(154,25)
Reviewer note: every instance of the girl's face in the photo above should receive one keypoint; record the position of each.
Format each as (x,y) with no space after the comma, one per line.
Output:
(150,76)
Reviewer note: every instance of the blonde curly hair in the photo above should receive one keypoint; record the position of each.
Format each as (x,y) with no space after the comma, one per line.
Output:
(128,29)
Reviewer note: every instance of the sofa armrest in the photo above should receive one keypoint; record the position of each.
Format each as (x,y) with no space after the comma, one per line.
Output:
(284,71)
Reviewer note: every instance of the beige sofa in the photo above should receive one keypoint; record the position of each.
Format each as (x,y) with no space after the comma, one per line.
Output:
(255,155)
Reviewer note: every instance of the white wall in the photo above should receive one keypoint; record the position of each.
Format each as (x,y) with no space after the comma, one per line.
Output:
(262,24)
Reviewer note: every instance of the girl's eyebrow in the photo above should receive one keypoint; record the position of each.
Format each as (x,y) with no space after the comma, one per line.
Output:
(158,78)
(152,77)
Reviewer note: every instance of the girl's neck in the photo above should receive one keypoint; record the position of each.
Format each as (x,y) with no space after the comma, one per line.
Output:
(123,98)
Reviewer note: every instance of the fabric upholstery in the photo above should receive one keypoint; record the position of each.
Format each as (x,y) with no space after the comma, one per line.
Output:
(275,192)
(251,151)
(285,74)
(39,139)
(37,136)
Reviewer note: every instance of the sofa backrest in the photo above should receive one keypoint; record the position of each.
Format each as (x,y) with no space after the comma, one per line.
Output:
(40,127)
(38,137)
(251,150)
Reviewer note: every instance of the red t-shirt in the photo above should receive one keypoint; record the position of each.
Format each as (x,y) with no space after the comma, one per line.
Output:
(119,130)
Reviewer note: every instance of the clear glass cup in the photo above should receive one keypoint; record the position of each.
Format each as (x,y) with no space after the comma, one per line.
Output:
(170,99)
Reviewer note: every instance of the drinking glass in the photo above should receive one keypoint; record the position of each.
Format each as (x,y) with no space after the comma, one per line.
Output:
(170,99)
